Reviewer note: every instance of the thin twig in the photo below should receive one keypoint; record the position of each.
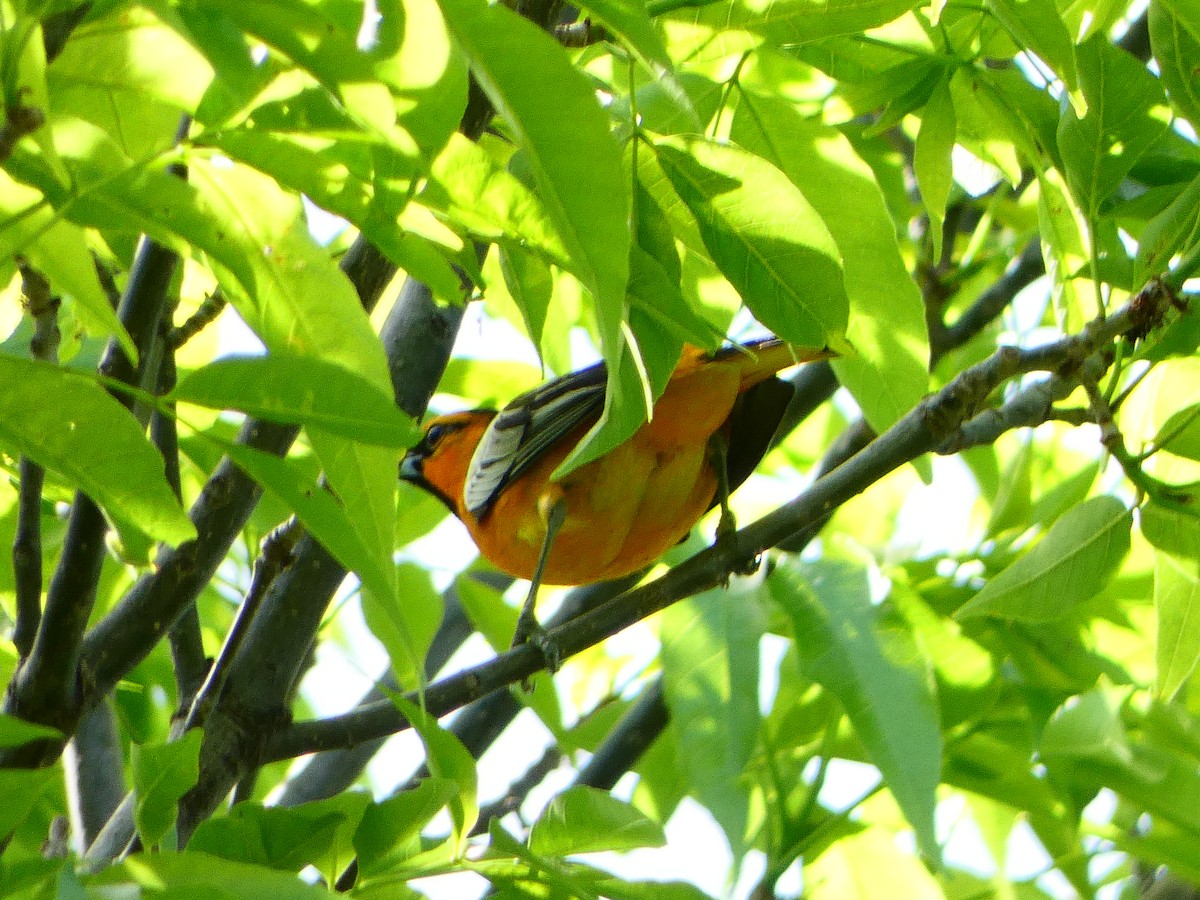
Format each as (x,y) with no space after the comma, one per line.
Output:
(274,557)
(42,306)
(187,643)
(550,760)
(206,313)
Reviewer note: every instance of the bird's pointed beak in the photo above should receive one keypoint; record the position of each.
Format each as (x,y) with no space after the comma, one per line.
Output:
(412,465)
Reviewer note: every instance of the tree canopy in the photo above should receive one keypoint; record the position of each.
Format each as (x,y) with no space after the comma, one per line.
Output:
(963,663)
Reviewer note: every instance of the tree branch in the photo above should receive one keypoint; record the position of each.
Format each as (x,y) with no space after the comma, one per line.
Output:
(42,306)
(187,643)
(95,774)
(623,747)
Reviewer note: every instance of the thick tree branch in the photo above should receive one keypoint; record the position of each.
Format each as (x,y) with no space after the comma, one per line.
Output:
(95,774)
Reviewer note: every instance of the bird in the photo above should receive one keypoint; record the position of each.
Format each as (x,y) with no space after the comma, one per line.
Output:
(610,517)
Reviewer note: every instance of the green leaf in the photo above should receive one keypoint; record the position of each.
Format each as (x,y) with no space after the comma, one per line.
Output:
(363,479)
(1036,24)
(1127,112)
(69,424)
(161,775)
(320,513)
(630,23)
(1013,503)
(1072,563)
(866,865)
(965,671)
(192,874)
(764,236)
(931,159)
(878,674)
(979,129)
(23,788)
(16,732)
(587,820)
(710,683)
(285,287)
(426,75)
(1177,603)
(390,830)
(326,46)
(305,390)
(1064,247)
(889,372)
(317,834)
(531,287)
(236,77)
(1171,530)
(1180,433)
(474,191)
(1177,50)
(1186,13)
(58,249)
(406,623)
(1087,727)
(368,185)
(1173,230)
(792,21)
(447,758)
(132,76)
(564,134)
(654,295)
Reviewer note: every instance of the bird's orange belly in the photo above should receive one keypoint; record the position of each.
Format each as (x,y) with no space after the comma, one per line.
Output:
(623,512)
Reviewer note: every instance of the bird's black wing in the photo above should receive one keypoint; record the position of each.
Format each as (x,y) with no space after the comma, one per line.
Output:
(527,428)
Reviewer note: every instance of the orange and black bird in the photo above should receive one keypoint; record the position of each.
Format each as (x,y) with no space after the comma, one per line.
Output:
(618,513)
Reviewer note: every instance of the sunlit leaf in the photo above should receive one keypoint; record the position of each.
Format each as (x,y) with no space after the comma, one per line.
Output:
(710,682)
(1070,565)
(305,390)
(68,423)
(888,372)
(877,672)
(764,236)
(162,774)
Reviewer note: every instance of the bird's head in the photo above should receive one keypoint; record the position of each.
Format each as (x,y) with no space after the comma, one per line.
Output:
(440,460)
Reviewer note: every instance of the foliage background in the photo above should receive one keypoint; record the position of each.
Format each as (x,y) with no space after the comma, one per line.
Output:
(989,208)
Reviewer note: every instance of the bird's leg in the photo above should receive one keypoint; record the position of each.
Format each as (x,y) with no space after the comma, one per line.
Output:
(553,507)
(718,452)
